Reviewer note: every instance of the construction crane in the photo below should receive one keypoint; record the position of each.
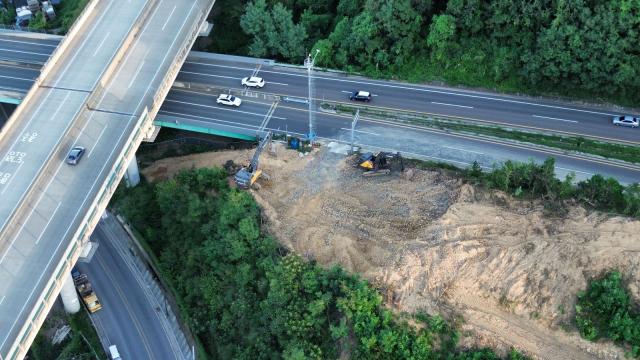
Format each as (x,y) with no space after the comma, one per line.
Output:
(247,176)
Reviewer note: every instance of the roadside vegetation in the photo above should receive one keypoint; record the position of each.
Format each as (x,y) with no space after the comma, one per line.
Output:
(81,343)
(247,297)
(578,48)
(608,150)
(605,311)
(539,182)
(66,13)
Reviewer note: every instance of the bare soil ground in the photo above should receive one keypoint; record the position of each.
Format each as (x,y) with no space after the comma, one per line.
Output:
(432,243)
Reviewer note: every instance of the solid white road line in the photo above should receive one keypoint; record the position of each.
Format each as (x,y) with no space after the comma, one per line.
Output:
(169,17)
(27,42)
(552,118)
(84,41)
(55,113)
(360,131)
(2,300)
(16,78)
(572,170)
(97,140)
(48,222)
(137,72)
(227,77)
(210,75)
(165,55)
(25,52)
(445,104)
(77,212)
(208,120)
(101,43)
(465,150)
(13,175)
(222,108)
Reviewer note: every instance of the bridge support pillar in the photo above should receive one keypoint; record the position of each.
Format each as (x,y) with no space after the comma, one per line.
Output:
(132,176)
(69,297)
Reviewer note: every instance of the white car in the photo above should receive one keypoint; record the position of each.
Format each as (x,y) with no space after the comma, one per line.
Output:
(627,120)
(230,100)
(253,81)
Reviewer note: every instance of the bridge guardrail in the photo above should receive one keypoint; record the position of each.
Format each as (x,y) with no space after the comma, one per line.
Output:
(98,92)
(181,56)
(71,34)
(57,53)
(72,252)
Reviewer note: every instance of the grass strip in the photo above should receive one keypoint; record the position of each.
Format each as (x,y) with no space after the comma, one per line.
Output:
(607,150)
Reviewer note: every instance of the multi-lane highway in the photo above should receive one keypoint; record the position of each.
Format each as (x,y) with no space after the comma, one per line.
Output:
(185,107)
(198,110)
(224,71)
(89,98)
(134,316)
(515,111)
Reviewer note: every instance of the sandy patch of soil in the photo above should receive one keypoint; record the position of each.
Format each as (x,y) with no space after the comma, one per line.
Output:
(432,243)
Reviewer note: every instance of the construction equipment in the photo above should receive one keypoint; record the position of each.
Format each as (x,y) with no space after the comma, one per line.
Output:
(380,163)
(246,177)
(86,292)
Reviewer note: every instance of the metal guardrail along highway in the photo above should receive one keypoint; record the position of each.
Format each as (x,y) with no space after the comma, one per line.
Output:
(128,55)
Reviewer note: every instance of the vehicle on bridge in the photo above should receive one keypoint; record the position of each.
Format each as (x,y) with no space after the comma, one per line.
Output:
(115,354)
(75,154)
(89,297)
(229,100)
(360,96)
(627,120)
(253,81)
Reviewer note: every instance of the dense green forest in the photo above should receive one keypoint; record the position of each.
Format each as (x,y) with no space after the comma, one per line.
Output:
(247,298)
(605,310)
(585,48)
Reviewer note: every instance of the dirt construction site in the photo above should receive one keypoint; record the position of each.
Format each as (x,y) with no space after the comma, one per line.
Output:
(499,266)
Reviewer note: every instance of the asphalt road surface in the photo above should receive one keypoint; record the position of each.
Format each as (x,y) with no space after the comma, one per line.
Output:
(201,111)
(515,111)
(48,218)
(130,317)
(184,107)
(226,71)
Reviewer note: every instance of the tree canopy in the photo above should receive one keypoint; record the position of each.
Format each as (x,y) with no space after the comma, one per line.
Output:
(245,297)
(577,47)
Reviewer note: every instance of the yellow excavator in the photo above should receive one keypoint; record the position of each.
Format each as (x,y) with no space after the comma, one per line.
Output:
(246,177)
(380,163)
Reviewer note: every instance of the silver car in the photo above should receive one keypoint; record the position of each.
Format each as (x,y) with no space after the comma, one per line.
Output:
(75,154)
(628,121)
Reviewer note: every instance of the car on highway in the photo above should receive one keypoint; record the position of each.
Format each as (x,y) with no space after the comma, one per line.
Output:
(253,81)
(626,120)
(115,354)
(360,96)
(229,100)
(75,155)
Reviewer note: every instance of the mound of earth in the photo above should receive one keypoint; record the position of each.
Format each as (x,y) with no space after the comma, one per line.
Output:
(432,243)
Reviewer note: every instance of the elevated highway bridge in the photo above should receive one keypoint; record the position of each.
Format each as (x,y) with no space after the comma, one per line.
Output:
(101,88)
(108,87)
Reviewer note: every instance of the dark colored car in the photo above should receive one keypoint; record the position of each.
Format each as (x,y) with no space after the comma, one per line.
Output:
(360,96)
(74,155)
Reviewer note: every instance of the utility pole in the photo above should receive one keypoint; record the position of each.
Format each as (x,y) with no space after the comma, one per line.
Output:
(309,63)
(353,128)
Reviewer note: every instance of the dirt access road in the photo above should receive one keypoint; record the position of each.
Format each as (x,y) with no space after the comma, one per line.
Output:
(431,243)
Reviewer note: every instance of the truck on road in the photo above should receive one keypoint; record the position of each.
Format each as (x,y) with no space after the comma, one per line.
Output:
(89,297)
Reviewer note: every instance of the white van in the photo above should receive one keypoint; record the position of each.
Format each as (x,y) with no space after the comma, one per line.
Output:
(115,355)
